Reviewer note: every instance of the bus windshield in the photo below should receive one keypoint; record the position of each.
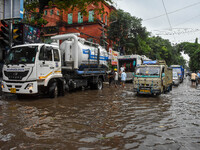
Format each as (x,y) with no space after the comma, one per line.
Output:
(22,55)
(128,64)
(148,72)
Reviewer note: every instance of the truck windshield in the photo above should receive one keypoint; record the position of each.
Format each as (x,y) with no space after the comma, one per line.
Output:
(177,70)
(22,55)
(148,72)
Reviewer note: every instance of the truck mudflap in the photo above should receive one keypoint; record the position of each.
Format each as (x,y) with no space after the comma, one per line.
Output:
(147,91)
(20,88)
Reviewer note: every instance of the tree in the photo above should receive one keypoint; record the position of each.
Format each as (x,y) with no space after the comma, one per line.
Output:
(193,50)
(80,4)
(126,31)
(36,8)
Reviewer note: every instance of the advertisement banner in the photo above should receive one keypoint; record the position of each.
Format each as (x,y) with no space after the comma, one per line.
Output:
(31,34)
(114,60)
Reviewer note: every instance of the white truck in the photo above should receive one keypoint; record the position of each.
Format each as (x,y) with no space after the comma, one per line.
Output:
(52,69)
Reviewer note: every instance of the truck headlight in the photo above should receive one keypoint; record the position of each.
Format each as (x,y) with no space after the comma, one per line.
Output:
(29,86)
(2,85)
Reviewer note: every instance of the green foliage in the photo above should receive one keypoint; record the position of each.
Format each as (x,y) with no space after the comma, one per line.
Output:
(193,50)
(127,32)
(37,17)
(80,4)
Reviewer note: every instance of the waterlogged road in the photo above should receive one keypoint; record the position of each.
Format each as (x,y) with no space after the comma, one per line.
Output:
(113,118)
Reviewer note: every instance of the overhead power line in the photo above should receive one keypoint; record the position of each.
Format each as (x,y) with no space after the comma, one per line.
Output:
(172,11)
(168,17)
(187,20)
(176,31)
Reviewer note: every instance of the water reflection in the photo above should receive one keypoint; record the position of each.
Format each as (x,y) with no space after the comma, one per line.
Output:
(107,119)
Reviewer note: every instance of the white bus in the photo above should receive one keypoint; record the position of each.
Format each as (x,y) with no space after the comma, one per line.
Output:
(129,63)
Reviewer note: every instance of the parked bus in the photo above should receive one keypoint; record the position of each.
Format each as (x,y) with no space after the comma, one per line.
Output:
(129,63)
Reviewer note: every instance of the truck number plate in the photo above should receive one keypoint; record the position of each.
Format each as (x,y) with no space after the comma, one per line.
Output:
(12,90)
(145,91)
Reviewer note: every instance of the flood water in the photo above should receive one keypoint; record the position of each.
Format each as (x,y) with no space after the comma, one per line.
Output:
(113,118)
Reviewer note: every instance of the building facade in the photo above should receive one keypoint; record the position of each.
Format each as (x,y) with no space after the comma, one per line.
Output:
(91,27)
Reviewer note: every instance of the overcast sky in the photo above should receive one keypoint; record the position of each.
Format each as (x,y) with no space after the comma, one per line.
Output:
(182,24)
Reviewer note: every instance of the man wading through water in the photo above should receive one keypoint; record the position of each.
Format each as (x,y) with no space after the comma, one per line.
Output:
(116,77)
(123,78)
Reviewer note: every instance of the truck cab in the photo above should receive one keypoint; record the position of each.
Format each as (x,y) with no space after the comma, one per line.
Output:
(153,77)
(29,67)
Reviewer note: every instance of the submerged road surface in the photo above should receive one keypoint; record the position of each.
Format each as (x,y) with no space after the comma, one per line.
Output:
(113,118)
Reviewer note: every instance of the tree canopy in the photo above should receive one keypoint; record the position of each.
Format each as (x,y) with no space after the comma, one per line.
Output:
(128,34)
(33,7)
(193,50)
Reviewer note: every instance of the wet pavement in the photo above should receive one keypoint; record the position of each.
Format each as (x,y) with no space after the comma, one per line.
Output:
(113,118)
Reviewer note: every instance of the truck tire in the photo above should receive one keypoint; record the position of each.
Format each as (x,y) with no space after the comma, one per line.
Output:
(53,90)
(99,84)
(62,89)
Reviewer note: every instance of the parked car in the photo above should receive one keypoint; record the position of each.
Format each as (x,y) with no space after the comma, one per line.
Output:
(176,79)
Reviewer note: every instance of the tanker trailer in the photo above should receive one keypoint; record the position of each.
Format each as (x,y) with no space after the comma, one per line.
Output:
(46,68)
(83,63)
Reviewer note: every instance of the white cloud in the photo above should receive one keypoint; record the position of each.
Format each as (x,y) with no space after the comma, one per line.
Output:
(185,19)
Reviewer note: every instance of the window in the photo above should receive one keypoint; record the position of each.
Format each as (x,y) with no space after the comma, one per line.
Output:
(41,55)
(45,54)
(80,17)
(70,18)
(22,55)
(51,12)
(56,55)
(106,20)
(48,55)
(101,17)
(58,13)
(91,16)
(45,12)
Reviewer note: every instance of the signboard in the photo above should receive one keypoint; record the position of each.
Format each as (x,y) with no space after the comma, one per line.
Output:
(114,60)
(150,62)
(31,34)
(14,7)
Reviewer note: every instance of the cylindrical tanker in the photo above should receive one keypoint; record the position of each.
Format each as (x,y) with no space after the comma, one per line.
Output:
(89,55)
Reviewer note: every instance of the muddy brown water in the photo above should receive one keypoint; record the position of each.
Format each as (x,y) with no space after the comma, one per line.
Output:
(113,118)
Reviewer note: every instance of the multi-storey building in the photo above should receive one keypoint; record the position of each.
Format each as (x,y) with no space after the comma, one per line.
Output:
(92,26)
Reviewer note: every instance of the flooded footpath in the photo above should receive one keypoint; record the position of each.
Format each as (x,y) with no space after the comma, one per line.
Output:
(113,118)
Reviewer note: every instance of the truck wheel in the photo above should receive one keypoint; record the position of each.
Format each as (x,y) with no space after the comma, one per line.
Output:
(53,90)
(170,87)
(62,89)
(99,84)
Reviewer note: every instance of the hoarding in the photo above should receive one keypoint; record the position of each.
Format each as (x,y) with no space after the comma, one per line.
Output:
(114,60)
(31,34)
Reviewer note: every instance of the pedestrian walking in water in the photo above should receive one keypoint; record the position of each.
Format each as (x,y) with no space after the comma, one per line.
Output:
(116,77)
(193,78)
(111,77)
(198,78)
(123,78)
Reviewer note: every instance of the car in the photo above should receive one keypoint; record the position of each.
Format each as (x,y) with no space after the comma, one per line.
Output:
(176,79)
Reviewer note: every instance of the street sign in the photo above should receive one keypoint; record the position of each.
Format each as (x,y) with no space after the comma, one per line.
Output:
(13,9)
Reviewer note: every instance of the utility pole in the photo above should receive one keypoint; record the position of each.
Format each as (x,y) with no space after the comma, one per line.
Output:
(11,24)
